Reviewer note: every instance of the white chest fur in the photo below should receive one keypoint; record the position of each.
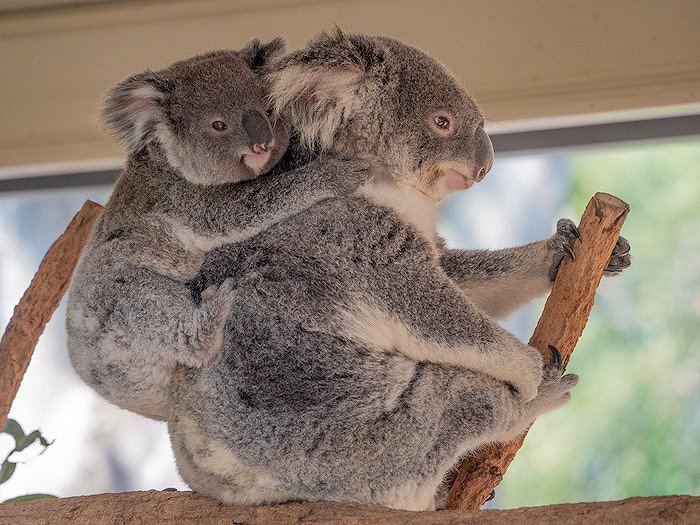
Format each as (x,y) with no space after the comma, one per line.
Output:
(412,205)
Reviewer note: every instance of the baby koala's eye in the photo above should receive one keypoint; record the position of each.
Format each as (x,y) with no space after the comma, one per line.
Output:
(219,125)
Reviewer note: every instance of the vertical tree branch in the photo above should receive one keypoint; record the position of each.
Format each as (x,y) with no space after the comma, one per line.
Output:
(39,302)
(562,322)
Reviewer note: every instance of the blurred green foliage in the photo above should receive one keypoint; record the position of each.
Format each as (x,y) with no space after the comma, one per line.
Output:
(633,426)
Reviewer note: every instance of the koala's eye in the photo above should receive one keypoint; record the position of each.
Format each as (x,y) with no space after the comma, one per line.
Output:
(442,122)
(219,125)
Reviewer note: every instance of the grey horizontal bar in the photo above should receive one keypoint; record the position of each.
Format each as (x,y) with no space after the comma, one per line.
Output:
(596,134)
(504,143)
(61,181)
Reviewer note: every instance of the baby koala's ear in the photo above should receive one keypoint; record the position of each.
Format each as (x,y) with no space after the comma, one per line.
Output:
(259,55)
(134,108)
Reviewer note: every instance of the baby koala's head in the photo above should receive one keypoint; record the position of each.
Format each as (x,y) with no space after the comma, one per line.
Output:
(208,113)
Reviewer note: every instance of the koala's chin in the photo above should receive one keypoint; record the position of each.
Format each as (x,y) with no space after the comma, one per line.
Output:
(256,163)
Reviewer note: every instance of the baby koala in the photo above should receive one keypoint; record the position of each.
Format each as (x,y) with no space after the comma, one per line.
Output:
(198,137)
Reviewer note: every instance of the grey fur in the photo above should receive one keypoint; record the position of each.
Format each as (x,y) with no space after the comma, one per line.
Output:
(186,189)
(354,366)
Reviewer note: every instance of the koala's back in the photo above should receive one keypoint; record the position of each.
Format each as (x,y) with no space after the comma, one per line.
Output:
(292,407)
(132,240)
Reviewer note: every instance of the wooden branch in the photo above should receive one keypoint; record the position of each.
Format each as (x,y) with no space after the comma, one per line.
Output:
(39,302)
(561,324)
(185,508)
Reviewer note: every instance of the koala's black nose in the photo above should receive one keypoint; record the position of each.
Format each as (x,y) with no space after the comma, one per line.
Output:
(258,130)
(483,153)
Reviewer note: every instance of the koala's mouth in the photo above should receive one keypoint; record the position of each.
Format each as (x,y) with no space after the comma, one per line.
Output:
(460,176)
(256,159)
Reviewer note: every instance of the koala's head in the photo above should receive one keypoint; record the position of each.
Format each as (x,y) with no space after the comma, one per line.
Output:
(209,114)
(377,96)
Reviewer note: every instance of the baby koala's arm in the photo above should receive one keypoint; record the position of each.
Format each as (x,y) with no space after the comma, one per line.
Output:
(502,281)
(257,204)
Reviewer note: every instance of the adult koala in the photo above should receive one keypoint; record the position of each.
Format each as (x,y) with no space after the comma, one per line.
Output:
(198,135)
(353,366)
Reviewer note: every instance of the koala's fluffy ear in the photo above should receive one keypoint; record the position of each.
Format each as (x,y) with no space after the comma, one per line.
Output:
(134,108)
(258,55)
(316,87)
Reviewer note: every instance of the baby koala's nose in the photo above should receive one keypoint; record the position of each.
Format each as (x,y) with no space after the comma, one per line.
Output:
(257,127)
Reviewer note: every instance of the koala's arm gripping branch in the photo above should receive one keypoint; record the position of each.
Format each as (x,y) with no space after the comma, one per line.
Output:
(39,302)
(561,324)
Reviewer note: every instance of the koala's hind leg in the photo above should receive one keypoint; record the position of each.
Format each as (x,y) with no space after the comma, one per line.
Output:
(421,314)
(453,412)
(128,331)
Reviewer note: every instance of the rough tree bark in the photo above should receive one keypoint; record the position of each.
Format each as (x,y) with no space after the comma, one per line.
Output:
(188,508)
(39,302)
(561,324)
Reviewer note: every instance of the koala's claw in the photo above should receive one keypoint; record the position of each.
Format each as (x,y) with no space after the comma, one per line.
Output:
(567,228)
(569,252)
(556,357)
(561,245)
(622,247)
(620,257)
(553,370)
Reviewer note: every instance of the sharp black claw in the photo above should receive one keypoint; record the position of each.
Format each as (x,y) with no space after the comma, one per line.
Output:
(569,252)
(575,231)
(618,266)
(556,356)
(622,247)
(491,496)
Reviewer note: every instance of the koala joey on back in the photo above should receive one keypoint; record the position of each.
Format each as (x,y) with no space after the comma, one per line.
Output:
(198,136)
(360,361)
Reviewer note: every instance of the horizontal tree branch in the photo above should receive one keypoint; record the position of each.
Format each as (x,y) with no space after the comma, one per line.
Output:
(189,508)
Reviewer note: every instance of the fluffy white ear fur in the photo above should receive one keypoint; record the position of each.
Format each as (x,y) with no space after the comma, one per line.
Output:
(315,99)
(132,111)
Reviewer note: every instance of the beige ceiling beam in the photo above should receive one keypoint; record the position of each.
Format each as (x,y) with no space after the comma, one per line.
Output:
(523,60)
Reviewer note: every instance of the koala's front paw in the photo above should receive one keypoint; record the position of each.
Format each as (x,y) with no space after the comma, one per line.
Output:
(348,173)
(561,245)
(527,369)
(620,257)
(555,389)
(210,320)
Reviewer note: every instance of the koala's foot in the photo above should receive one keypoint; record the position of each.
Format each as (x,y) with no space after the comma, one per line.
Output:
(561,245)
(527,369)
(555,389)
(620,257)
(206,337)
